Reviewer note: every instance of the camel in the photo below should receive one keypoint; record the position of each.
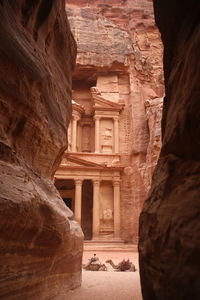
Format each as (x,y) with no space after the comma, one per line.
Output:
(94,264)
(124,265)
(94,267)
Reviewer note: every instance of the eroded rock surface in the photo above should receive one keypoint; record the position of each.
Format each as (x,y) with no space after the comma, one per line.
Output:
(169,224)
(40,244)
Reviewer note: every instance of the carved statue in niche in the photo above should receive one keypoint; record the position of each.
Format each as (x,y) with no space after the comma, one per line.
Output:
(86,139)
(86,143)
(107,214)
(107,136)
(106,224)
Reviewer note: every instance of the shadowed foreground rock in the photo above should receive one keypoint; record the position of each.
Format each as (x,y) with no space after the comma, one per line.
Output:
(40,244)
(169,224)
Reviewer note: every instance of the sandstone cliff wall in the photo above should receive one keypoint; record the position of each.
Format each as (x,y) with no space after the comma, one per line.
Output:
(120,38)
(40,244)
(169,224)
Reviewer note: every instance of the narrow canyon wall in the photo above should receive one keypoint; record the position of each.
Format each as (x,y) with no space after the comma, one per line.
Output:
(169,224)
(118,40)
(40,244)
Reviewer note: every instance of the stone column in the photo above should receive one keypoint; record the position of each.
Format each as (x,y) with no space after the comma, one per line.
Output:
(96,222)
(74,133)
(116,135)
(97,134)
(116,186)
(78,196)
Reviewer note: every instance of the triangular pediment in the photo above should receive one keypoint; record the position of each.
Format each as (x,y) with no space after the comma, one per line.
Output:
(72,160)
(100,102)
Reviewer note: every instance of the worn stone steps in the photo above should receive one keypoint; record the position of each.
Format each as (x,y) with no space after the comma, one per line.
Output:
(116,246)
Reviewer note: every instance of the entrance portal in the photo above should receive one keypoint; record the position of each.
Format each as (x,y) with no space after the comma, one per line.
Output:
(86,210)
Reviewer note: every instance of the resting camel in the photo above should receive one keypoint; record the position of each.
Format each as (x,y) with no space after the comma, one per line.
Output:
(124,265)
(94,265)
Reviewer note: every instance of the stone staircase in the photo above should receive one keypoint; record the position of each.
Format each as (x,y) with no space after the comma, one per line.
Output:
(109,246)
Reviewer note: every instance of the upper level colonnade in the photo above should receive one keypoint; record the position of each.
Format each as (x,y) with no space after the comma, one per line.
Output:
(98,133)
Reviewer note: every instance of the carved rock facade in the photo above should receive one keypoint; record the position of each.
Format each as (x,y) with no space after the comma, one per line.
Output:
(41,246)
(120,54)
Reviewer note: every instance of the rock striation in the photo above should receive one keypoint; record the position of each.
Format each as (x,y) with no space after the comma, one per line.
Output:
(169,224)
(120,52)
(40,244)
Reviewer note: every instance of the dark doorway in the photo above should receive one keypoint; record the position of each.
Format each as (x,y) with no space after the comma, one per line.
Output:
(66,189)
(86,211)
(68,202)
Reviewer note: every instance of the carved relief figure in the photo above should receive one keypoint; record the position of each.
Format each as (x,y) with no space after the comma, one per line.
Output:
(107,214)
(86,139)
(107,136)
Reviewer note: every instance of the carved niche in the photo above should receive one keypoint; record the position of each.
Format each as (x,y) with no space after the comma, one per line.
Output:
(107,136)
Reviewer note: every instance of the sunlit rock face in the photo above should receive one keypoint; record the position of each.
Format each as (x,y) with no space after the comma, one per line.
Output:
(120,52)
(169,223)
(40,244)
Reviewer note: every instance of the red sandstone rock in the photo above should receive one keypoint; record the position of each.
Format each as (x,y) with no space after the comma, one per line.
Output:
(40,245)
(119,44)
(169,224)
(154,115)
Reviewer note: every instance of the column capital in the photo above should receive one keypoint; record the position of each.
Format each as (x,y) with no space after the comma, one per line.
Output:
(76,118)
(78,181)
(116,182)
(97,117)
(96,182)
(116,118)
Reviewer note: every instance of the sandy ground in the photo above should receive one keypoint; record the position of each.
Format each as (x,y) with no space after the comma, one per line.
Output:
(109,285)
